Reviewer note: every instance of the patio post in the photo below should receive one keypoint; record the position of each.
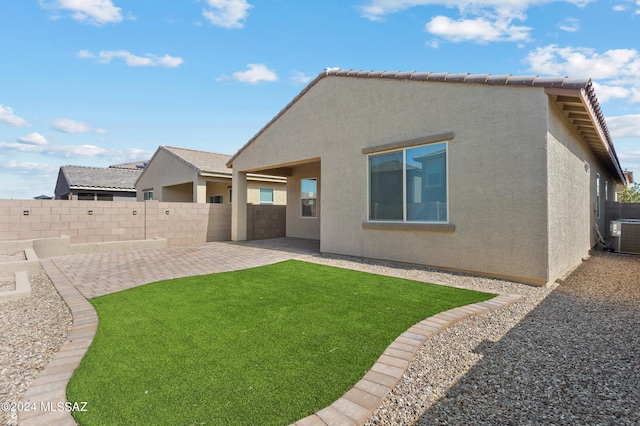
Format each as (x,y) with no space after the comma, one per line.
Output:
(239,206)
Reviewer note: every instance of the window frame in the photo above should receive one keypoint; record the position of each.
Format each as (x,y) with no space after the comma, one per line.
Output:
(394,148)
(272,195)
(314,198)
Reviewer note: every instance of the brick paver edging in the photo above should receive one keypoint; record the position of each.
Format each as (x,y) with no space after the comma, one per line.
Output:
(358,404)
(47,393)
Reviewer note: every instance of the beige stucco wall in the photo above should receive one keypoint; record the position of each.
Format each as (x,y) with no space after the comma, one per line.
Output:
(298,226)
(572,195)
(496,168)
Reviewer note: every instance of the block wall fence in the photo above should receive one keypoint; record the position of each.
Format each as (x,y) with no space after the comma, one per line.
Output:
(106,221)
(615,211)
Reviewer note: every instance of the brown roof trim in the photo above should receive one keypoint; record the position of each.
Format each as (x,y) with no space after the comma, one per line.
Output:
(584,85)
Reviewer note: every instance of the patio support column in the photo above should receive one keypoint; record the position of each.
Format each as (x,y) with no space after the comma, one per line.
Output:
(199,192)
(239,206)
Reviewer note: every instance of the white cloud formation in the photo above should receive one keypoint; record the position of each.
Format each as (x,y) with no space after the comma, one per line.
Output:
(627,5)
(27,166)
(33,139)
(96,12)
(481,30)
(624,126)
(78,151)
(298,77)
(616,72)
(480,21)
(585,62)
(255,74)
(570,25)
(227,13)
(376,10)
(67,125)
(8,117)
(148,60)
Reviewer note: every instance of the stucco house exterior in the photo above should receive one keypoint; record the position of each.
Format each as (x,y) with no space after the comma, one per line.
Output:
(187,175)
(96,183)
(498,175)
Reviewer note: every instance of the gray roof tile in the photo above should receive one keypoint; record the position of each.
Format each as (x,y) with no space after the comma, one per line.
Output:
(100,178)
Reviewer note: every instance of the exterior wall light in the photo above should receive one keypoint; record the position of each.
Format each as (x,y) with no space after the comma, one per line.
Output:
(135,212)
(166,212)
(90,212)
(25,212)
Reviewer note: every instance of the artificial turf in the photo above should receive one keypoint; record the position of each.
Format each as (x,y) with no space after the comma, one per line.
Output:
(261,346)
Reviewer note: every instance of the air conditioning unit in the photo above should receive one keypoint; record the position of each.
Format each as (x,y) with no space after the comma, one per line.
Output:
(625,235)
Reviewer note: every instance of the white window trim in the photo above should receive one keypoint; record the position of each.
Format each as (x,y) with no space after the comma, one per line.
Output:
(431,226)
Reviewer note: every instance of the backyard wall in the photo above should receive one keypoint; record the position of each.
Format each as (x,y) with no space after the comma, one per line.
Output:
(104,221)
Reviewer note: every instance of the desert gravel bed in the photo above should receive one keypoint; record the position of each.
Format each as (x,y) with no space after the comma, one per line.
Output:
(562,355)
(31,333)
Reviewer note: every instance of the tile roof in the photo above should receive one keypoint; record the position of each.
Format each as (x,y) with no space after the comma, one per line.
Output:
(80,177)
(202,161)
(135,165)
(550,83)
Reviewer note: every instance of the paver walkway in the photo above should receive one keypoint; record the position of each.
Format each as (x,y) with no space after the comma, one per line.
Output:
(81,277)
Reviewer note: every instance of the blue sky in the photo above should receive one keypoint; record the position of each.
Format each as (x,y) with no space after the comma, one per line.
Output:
(100,82)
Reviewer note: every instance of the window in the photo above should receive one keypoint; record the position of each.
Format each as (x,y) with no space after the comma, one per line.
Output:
(104,197)
(266,196)
(606,190)
(309,197)
(215,199)
(409,185)
(148,195)
(86,196)
(598,195)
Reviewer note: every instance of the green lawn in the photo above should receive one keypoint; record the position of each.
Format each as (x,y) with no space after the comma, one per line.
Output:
(262,346)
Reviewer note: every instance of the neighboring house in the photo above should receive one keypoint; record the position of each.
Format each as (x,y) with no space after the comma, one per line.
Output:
(43,197)
(497,175)
(187,175)
(136,165)
(95,183)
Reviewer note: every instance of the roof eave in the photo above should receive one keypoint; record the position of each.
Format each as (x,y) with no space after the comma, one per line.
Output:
(581,109)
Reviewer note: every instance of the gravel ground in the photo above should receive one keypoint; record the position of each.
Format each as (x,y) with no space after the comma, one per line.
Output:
(31,333)
(568,355)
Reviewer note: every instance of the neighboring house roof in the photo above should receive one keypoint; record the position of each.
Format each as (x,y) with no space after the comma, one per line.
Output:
(207,164)
(575,96)
(135,165)
(104,179)
(204,162)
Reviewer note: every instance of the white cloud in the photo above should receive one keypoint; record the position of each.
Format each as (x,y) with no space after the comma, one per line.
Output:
(570,25)
(19,147)
(624,126)
(480,30)
(255,74)
(8,117)
(96,12)
(627,5)
(298,77)
(376,10)
(27,166)
(480,21)
(33,139)
(148,60)
(227,13)
(616,71)
(585,62)
(66,125)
